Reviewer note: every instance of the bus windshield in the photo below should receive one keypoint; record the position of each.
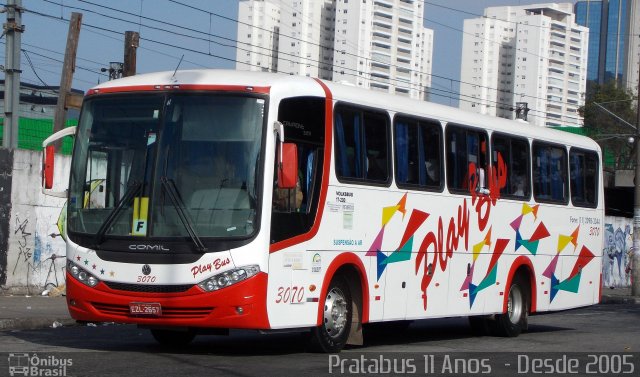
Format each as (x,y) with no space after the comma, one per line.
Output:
(157,166)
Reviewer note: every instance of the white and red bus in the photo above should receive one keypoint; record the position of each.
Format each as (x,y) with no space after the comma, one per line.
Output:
(211,199)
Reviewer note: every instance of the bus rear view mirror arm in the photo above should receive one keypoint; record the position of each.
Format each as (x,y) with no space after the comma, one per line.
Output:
(48,165)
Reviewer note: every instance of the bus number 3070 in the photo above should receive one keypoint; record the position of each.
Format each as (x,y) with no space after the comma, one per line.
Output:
(293,295)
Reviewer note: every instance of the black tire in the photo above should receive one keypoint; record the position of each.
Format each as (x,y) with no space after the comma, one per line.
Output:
(480,325)
(331,336)
(514,321)
(173,338)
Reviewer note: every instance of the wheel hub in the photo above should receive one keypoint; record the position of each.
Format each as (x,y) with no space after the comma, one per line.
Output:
(515,304)
(335,312)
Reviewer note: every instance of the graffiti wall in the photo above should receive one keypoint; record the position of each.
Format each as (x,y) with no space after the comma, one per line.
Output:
(35,252)
(616,267)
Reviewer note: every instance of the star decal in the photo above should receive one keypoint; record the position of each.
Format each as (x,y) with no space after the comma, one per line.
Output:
(102,272)
(86,262)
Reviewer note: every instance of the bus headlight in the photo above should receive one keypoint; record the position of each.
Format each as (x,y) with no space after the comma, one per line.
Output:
(82,275)
(228,278)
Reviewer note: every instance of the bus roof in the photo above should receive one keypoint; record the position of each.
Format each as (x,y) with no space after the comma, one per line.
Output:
(350,94)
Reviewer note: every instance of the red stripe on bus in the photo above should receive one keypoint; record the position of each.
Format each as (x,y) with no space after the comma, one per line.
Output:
(522,261)
(600,290)
(341,260)
(326,165)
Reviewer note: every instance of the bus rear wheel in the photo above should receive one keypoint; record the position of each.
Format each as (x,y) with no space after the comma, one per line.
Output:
(173,338)
(514,320)
(331,335)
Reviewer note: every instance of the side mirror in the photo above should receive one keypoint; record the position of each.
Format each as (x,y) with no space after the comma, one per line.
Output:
(48,165)
(48,157)
(288,166)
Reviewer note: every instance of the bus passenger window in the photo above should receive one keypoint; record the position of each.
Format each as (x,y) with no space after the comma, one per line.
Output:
(514,153)
(550,173)
(466,153)
(584,178)
(362,145)
(418,149)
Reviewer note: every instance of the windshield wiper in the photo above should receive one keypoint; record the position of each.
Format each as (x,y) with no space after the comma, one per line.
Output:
(171,190)
(128,195)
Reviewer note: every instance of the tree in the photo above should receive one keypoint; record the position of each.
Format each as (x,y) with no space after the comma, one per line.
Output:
(612,134)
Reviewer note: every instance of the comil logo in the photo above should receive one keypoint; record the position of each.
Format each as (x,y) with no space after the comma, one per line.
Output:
(24,364)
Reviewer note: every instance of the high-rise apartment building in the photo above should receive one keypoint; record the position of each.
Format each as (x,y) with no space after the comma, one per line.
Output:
(533,54)
(375,44)
(306,38)
(614,45)
(258,35)
(382,45)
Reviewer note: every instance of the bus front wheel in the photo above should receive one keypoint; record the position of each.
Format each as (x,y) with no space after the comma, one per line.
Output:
(514,320)
(331,335)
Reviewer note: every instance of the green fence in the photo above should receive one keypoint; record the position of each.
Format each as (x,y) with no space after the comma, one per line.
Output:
(32,132)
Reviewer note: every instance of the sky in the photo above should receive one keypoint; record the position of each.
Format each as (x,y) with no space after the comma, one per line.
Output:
(204,31)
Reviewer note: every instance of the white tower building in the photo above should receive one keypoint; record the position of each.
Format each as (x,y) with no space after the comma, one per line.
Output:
(306,38)
(375,44)
(534,54)
(382,45)
(258,32)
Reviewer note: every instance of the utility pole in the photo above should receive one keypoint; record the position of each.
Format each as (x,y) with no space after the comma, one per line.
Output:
(13,29)
(635,256)
(131,43)
(68,68)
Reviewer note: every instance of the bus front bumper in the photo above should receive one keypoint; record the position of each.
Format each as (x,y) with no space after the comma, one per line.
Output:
(242,305)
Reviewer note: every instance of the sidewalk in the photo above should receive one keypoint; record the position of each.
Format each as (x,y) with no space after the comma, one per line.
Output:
(35,312)
(618,296)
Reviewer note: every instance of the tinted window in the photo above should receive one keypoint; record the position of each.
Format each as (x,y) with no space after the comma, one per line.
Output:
(362,145)
(549,173)
(466,156)
(514,153)
(418,149)
(584,178)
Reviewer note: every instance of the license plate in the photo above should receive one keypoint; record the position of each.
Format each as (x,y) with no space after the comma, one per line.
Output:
(145,308)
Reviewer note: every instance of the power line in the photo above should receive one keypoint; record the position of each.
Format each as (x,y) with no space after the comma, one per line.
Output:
(308,60)
(509,21)
(371,77)
(33,68)
(174,46)
(60,53)
(63,20)
(478,101)
(26,51)
(392,65)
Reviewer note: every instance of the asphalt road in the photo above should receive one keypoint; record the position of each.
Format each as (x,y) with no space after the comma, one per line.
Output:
(594,339)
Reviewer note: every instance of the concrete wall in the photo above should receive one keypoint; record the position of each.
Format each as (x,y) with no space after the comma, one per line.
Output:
(616,262)
(32,254)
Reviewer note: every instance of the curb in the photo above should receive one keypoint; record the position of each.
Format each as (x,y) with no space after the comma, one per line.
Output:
(34,323)
(620,300)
